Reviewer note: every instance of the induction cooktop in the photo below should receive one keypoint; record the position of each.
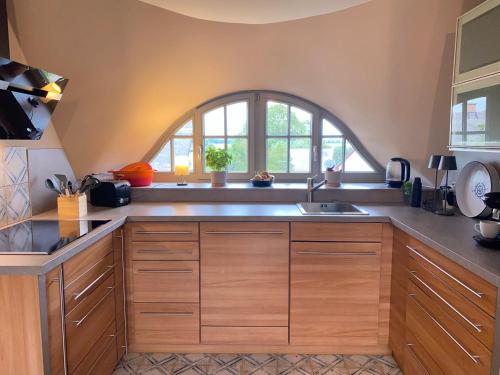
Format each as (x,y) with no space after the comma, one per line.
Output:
(44,236)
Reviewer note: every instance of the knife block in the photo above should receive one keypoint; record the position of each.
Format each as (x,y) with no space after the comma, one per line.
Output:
(72,207)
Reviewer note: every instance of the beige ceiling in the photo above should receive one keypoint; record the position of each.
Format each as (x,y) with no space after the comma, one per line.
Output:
(253,11)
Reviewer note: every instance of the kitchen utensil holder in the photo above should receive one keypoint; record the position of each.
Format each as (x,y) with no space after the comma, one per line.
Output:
(72,207)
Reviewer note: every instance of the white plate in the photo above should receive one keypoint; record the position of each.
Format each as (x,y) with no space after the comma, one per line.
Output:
(475,180)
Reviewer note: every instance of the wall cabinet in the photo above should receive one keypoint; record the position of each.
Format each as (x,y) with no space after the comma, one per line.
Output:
(442,313)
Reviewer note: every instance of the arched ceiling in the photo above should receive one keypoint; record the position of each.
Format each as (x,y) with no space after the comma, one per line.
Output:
(253,11)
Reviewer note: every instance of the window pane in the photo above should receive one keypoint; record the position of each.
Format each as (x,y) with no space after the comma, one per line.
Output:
(238,148)
(213,122)
(277,155)
(237,118)
(300,121)
(186,129)
(331,153)
(353,160)
(277,118)
(300,155)
(217,143)
(183,152)
(162,162)
(329,129)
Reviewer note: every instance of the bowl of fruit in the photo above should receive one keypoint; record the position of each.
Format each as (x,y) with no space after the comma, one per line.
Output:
(262,179)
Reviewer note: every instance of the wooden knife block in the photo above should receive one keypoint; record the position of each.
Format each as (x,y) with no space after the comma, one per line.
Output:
(73,207)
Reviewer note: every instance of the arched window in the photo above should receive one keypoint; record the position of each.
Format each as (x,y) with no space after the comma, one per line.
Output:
(290,137)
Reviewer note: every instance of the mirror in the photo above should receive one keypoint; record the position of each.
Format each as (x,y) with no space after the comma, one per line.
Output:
(28,97)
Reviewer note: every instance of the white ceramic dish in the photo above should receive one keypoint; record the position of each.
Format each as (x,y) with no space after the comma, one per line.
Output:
(475,180)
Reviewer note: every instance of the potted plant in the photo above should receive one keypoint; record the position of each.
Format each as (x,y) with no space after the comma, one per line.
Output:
(218,160)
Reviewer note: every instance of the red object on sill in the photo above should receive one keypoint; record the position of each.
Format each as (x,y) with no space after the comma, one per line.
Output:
(138,174)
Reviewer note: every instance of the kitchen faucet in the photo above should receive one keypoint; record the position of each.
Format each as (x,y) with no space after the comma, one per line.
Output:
(311,187)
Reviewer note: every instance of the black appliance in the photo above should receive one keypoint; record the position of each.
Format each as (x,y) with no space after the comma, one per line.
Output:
(44,236)
(112,193)
(397,172)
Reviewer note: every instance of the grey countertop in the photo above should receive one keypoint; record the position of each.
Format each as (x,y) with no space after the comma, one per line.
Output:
(451,236)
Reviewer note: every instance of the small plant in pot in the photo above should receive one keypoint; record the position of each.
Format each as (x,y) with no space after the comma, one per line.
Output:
(218,160)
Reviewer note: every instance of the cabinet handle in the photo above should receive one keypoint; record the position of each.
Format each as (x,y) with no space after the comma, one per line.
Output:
(166,313)
(163,271)
(473,358)
(245,232)
(314,252)
(78,295)
(79,322)
(476,326)
(162,232)
(477,294)
(156,251)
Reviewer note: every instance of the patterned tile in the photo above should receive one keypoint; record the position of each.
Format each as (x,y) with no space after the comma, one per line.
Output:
(15,165)
(18,202)
(254,364)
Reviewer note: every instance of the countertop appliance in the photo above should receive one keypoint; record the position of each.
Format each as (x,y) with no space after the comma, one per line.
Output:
(492,200)
(112,193)
(44,236)
(397,172)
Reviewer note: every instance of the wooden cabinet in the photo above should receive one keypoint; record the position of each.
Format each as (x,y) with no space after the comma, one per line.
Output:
(335,290)
(441,313)
(340,284)
(244,277)
(53,282)
(163,284)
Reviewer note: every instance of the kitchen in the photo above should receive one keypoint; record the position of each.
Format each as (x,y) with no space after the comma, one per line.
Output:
(344,221)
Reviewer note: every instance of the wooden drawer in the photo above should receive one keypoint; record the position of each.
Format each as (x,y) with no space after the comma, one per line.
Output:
(245,335)
(334,297)
(106,363)
(453,349)
(160,231)
(165,250)
(166,323)
(95,353)
(165,281)
(416,359)
(121,344)
(343,232)
(88,321)
(465,282)
(88,281)
(467,314)
(86,260)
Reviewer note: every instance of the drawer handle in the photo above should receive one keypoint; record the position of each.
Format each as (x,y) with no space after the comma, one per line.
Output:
(154,251)
(473,358)
(79,322)
(166,313)
(78,295)
(246,232)
(162,232)
(314,252)
(476,326)
(163,271)
(477,294)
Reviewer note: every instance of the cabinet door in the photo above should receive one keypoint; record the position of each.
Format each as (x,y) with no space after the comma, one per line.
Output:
(335,290)
(244,274)
(54,316)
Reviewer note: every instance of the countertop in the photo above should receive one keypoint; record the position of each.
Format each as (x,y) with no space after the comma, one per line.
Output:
(450,236)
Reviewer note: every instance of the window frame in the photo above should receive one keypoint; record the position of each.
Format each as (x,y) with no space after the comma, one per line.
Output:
(257,139)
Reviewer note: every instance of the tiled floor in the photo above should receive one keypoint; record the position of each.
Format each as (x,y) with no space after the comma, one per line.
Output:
(255,364)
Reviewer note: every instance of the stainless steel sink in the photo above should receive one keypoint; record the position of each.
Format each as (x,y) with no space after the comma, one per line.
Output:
(334,208)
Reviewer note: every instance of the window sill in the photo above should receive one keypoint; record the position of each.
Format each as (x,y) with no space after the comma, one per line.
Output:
(274,186)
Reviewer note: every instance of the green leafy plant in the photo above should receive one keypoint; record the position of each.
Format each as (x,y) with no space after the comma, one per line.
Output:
(218,159)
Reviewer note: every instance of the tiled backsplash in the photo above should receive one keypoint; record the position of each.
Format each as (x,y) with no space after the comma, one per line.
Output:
(15,202)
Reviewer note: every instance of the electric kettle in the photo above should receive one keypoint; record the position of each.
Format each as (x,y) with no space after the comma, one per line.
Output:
(397,171)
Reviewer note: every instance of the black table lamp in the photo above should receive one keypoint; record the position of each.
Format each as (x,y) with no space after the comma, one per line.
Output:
(447,163)
(434,161)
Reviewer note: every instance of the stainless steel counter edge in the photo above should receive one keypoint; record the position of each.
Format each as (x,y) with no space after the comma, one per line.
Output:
(452,237)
